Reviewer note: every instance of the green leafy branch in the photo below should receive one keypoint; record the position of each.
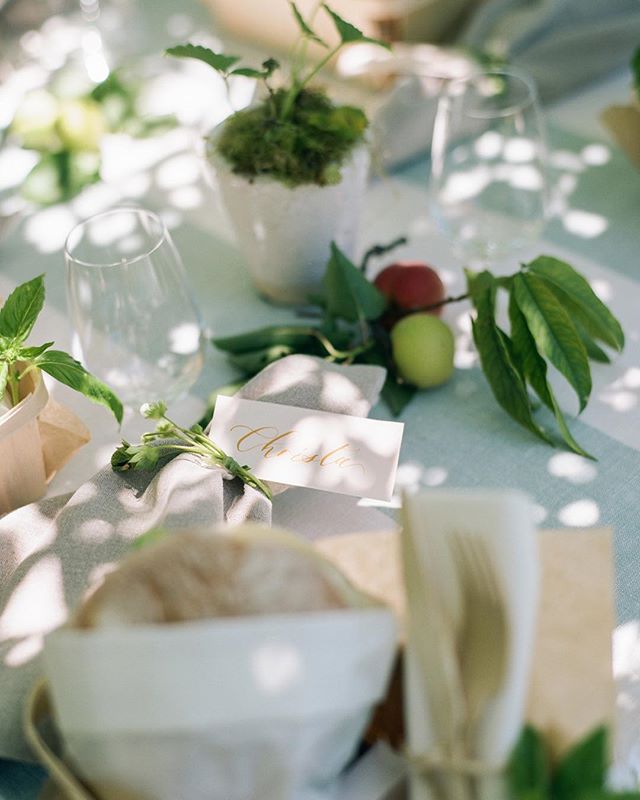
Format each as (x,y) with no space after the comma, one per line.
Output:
(17,360)
(226,65)
(556,320)
(169,440)
(580,775)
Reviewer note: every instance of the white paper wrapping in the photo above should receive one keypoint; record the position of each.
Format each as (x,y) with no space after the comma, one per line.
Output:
(269,707)
(504,520)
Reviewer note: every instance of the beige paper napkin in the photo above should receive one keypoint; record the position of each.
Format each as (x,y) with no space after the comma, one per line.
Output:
(571,687)
(62,434)
(624,124)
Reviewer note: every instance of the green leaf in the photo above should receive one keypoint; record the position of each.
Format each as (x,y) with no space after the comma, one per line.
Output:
(67,370)
(251,362)
(29,353)
(21,309)
(583,769)
(349,33)
(268,67)
(298,338)
(304,27)
(504,378)
(397,395)
(528,770)
(348,294)
(226,391)
(594,351)
(4,375)
(600,322)
(150,537)
(534,369)
(554,333)
(219,61)
(635,67)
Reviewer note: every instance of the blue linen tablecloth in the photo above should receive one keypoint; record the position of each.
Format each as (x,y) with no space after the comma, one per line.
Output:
(455,436)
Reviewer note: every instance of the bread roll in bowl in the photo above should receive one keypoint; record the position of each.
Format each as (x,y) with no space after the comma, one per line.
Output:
(223,572)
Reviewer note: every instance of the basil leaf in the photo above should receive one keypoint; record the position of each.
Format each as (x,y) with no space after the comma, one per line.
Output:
(21,309)
(554,333)
(584,768)
(29,353)
(600,321)
(4,376)
(528,770)
(304,27)
(504,379)
(348,294)
(349,33)
(219,61)
(534,369)
(67,370)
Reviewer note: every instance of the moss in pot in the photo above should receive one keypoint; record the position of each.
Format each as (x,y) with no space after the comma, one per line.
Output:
(291,169)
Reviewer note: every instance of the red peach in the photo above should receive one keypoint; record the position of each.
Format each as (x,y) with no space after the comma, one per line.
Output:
(411,285)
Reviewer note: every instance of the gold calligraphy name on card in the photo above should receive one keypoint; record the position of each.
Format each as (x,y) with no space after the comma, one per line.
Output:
(304,447)
(268,440)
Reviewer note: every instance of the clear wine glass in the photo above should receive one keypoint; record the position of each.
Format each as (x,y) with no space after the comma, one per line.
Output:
(136,324)
(488,189)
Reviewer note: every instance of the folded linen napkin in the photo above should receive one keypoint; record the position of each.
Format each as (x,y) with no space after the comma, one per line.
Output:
(52,551)
(436,684)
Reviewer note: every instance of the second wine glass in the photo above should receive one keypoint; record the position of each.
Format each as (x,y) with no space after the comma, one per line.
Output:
(135,321)
(488,191)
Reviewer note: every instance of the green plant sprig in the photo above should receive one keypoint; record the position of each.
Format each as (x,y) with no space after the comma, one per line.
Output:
(17,360)
(555,320)
(580,775)
(170,439)
(226,65)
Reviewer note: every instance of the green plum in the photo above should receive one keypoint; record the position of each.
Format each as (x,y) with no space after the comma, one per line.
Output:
(423,348)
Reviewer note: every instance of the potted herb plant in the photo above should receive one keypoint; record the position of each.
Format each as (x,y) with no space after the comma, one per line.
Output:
(292,168)
(23,395)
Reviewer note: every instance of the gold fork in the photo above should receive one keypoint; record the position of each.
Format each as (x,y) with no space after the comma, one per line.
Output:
(484,635)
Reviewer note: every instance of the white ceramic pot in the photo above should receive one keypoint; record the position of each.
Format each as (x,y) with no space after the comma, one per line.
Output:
(22,469)
(285,233)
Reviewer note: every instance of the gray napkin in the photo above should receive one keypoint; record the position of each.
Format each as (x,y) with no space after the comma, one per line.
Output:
(52,551)
(563,43)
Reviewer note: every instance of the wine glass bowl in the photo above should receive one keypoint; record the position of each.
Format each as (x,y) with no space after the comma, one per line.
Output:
(488,190)
(136,325)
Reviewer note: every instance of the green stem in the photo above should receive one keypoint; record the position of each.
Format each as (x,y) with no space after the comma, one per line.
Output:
(298,85)
(441,303)
(14,386)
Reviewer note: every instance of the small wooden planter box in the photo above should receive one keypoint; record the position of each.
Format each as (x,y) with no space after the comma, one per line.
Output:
(22,469)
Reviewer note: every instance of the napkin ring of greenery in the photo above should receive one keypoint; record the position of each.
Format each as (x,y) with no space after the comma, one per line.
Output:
(296,135)
(169,440)
(555,317)
(17,318)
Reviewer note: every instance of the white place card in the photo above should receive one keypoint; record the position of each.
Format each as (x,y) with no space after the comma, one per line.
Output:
(316,449)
